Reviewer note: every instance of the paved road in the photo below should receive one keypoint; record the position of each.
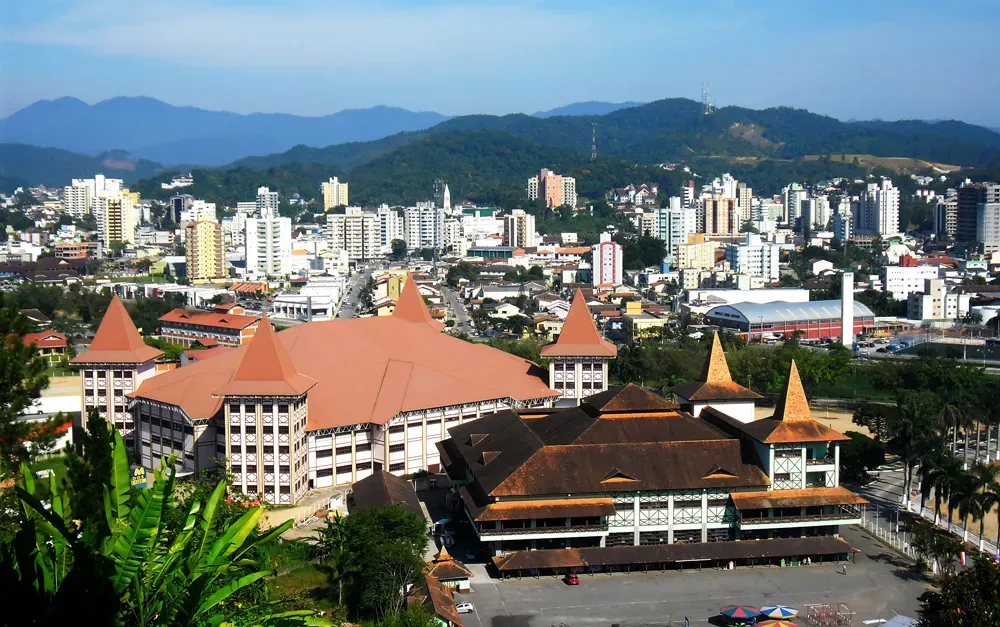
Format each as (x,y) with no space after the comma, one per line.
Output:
(349,303)
(464,322)
(666,598)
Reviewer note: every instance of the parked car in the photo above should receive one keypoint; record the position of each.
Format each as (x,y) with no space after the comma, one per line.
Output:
(882,349)
(571,579)
(465,608)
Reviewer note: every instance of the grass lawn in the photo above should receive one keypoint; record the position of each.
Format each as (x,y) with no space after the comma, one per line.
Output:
(307,588)
(857,386)
(56,371)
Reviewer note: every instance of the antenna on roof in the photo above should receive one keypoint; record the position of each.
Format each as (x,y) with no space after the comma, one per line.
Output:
(593,141)
(706,98)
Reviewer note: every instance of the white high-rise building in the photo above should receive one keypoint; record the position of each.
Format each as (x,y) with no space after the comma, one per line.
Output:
(268,247)
(879,210)
(792,197)
(77,200)
(674,223)
(519,229)
(356,231)
(390,227)
(988,220)
(744,201)
(726,186)
(198,211)
(607,261)
(843,221)
(234,227)
(267,203)
(423,225)
(815,213)
(451,233)
(755,257)
(116,218)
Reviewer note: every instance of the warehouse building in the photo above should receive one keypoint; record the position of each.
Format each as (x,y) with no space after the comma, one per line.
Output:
(816,320)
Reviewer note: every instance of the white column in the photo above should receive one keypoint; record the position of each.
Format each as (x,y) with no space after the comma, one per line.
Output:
(836,465)
(770,463)
(670,518)
(704,515)
(803,457)
(635,520)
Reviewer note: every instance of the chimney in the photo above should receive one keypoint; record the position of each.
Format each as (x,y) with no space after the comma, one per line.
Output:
(847,310)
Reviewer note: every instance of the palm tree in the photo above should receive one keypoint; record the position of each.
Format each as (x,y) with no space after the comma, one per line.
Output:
(942,477)
(988,478)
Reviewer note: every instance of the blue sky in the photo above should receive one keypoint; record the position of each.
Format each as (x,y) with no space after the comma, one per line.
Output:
(851,59)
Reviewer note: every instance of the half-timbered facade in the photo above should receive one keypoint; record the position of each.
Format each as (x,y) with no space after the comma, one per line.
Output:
(579,358)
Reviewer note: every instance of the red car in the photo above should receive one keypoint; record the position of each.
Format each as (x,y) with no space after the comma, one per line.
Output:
(571,579)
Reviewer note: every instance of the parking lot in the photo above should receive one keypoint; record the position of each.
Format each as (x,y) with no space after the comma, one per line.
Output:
(878,585)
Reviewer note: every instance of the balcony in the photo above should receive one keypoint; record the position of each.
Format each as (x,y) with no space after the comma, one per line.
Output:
(543,530)
(847,514)
(826,461)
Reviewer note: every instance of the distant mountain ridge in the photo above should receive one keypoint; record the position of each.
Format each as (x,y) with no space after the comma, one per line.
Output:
(151,129)
(590,107)
(21,164)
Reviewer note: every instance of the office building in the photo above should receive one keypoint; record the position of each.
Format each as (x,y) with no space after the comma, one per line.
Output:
(356,231)
(744,201)
(204,251)
(988,218)
(901,281)
(934,302)
(878,212)
(755,258)
(268,247)
(968,200)
(607,262)
(674,223)
(519,229)
(946,217)
(721,216)
(555,189)
(335,194)
(792,197)
(424,226)
(267,203)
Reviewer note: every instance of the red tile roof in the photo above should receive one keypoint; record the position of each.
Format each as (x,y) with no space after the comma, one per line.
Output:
(716,383)
(46,339)
(366,370)
(209,318)
(411,305)
(117,340)
(579,336)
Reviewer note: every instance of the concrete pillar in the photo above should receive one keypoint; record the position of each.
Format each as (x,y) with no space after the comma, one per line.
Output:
(770,463)
(670,518)
(836,465)
(635,520)
(803,457)
(704,516)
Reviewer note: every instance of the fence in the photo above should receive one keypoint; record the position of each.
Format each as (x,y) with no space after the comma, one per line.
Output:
(898,540)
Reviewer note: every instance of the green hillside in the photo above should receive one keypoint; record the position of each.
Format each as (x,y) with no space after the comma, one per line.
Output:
(20,163)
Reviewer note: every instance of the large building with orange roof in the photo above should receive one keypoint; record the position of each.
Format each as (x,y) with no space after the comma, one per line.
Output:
(319,404)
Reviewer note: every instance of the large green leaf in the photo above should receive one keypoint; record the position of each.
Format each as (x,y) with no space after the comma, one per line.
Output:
(234,537)
(207,525)
(121,482)
(132,542)
(227,591)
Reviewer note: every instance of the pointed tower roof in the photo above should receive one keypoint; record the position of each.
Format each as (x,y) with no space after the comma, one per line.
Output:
(716,384)
(117,340)
(793,405)
(411,307)
(266,369)
(443,555)
(792,422)
(579,336)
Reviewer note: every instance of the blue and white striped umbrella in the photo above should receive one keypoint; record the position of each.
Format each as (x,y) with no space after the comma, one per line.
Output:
(779,611)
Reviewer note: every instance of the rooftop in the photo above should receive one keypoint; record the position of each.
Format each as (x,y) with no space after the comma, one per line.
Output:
(209,318)
(117,340)
(716,383)
(579,336)
(788,312)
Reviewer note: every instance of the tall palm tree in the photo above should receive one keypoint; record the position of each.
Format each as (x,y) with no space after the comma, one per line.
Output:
(942,478)
(988,477)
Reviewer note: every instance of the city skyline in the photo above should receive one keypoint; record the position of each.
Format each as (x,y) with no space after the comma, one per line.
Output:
(485,57)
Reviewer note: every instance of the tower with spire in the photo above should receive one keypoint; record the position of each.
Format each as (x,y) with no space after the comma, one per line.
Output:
(578,359)
(717,389)
(265,421)
(113,366)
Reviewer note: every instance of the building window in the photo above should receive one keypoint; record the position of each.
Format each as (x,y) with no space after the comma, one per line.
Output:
(283,469)
(220,449)
(234,408)
(367,466)
(283,430)
(283,450)
(396,429)
(397,467)
(363,448)
(282,409)
(324,472)
(285,489)
(320,454)
(431,423)
(397,448)
(343,470)
(343,450)
(251,449)
(782,476)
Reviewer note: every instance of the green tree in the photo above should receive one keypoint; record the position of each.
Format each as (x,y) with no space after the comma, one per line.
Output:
(969,599)
(398,249)
(133,569)
(875,418)
(860,455)
(22,380)
(333,554)
(87,467)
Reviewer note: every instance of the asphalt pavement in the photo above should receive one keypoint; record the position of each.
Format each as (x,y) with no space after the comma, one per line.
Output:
(458,310)
(349,304)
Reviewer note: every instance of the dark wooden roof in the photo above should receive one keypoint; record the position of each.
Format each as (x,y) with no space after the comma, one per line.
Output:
(666,553)
(383,488)
(702,391)
(628,398)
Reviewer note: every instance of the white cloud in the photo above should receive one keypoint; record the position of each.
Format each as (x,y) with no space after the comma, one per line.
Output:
(348,36)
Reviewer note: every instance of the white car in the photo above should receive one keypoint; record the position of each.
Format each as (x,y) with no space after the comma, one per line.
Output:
(465,608)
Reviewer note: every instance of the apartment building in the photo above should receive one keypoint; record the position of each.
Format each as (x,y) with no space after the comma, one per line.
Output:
(424,225)
(204,251)
(335,194)
(267,203)
(356,231)
(268,247)
(555,189)
(988,218)
(696,253)
(519,229)
(721,216)
(744,200)
(607,261)
(674,224)
(390,227)
(934,302)
(878,212)
(754,257)
(902,281)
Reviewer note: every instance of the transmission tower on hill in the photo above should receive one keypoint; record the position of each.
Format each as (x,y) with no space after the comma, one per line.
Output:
(593,141)
(706,99)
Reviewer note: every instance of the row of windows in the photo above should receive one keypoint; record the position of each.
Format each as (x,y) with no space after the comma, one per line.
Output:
(238,429)
(234,408)
(586,385)
(166,423)
(587,367)
(155,439)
